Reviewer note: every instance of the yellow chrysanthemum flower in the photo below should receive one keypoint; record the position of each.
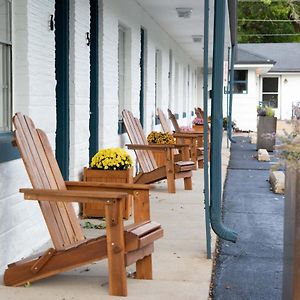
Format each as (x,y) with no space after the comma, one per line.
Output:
(111,159)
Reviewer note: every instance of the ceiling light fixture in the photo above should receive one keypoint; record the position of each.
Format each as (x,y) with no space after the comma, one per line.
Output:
(184,12)
(197,38)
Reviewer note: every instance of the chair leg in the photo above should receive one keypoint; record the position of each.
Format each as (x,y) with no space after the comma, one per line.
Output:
(144,268)
(115,248)
(188,183)
(200,164)
(142,213)
(170,172)
(171,183)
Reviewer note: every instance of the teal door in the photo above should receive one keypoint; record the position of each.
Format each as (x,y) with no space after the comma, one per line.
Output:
(94,79)
(62,86)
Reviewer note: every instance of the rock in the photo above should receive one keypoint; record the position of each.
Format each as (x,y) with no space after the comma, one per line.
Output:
(263,155)
(277,179)
(253,137)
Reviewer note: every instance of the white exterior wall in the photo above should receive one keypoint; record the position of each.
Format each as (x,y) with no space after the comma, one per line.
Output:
(132,16)
(22,228)
(244,105)
(290,93)
(79,87)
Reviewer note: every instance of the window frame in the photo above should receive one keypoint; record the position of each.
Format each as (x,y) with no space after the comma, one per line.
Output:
(157,83)
(240,81)
(121,104)
(7,151)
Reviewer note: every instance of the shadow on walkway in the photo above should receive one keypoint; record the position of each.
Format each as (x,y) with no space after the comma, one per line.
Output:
(251,268)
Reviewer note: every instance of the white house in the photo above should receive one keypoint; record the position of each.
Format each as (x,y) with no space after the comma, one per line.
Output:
(267,73)
(72,66)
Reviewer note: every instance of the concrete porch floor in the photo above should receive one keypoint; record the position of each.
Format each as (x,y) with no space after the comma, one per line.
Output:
(181,270)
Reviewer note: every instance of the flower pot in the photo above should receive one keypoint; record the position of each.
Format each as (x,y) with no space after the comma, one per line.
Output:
(291,248)
(266,133)
(116,176)
(198,128)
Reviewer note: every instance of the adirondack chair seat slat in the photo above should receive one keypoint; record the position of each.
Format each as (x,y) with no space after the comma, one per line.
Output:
(71,248)
(150,172)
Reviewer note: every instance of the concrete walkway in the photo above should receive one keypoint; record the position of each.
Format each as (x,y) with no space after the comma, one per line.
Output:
(251,268)
(181,270)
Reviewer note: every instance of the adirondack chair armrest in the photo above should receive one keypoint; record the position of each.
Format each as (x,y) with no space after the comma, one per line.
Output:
(71,196)
(106,186)
(149,147)
(192,135)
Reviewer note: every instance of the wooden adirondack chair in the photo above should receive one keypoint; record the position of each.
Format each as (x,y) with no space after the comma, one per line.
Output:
(192,138)
(122,246)
(150,172)
(199,112)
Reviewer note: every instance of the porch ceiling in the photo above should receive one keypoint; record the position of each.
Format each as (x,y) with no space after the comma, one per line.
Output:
(181,29)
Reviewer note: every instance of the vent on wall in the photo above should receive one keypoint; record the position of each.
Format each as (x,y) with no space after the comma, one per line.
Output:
(197,38)
(184,12)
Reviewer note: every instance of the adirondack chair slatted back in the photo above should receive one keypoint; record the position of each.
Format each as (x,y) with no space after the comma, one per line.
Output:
(165,125)
(44,173)
(163,121)
(199,112)
(137,136)
(174,121)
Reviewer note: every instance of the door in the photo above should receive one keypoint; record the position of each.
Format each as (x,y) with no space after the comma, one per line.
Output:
(94,80)
(62,87)
(270,93)
(142,72)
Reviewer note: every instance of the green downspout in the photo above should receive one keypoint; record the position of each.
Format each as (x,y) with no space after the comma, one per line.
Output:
(227,94)
(217,126)
(229,116)
(205,108)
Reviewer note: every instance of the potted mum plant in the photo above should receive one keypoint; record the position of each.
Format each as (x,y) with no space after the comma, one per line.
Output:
(109,165)
(266,128)
(290,156)
(160,138)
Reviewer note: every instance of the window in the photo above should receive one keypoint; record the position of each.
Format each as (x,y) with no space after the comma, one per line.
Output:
(5,66)
(270,91)
(240,82)
(7,152)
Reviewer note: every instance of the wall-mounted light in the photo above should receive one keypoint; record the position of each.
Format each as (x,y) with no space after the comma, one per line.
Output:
(184,12)
(51,23)
(88,39)
(285,81)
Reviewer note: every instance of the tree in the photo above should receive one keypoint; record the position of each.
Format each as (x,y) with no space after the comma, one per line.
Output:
(258,21)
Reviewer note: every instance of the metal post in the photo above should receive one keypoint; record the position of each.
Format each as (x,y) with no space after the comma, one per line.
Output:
(229,115)
(205,108)
(217,126)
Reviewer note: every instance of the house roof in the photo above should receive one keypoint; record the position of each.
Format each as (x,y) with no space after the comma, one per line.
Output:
(284,56)
(247,57)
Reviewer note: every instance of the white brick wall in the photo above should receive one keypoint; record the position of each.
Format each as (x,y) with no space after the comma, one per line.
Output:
(22,228)
(131,15)
(79,87)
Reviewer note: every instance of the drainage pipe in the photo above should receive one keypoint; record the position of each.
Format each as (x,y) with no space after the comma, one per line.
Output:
(231,82)
(217,126)
(227,94)
(205,109)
